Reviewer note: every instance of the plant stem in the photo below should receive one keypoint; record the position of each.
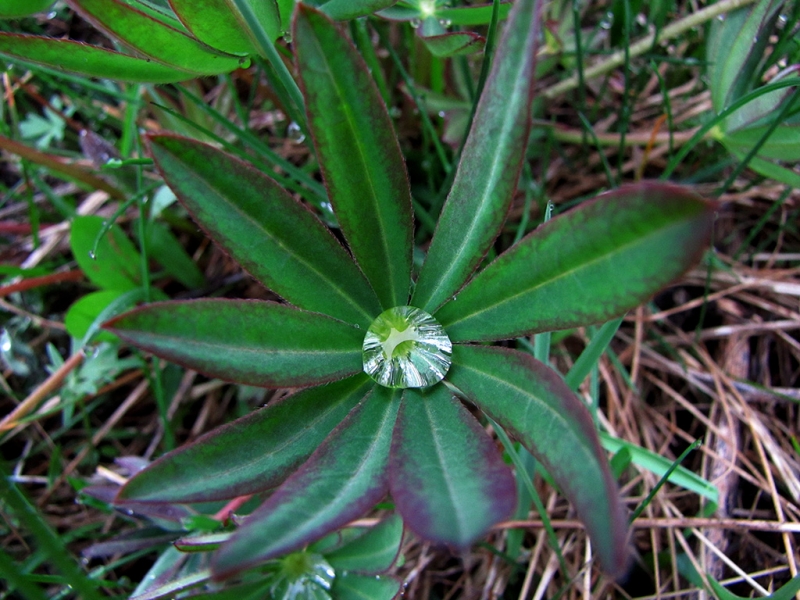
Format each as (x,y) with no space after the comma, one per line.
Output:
(645,44)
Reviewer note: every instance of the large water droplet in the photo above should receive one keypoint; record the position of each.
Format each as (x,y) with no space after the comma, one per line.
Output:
(406,348)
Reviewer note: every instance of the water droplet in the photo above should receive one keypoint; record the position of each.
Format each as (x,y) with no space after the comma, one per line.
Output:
(721,17)
(395,112)
(356,325)
(287,37)
(445,23)
(607,21)
(453,298)
(441,114)
(294,133)
(406,348)
(415,23)
(92,255)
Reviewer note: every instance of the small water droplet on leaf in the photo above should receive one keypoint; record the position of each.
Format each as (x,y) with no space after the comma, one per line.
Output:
(406,347)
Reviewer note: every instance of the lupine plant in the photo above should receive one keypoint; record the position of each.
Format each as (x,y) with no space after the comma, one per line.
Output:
(398,370)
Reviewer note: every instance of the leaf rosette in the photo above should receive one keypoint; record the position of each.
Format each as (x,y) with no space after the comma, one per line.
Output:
(330,452)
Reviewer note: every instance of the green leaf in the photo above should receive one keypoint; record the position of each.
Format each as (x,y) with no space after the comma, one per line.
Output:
(349,586)
(252,454)
(154,37)
(782,144)
(170,254)
(343,10)
(786,592)
(82,314)
(13,9)
(472,15)
(373,552)
(251,342)
(486,179)
(87,60)
(447,476)
(343,479)
(736,45)
(359,154)
(115,265)
(586,266)
(769,169)
(275,238)
(535,406)
(220,25)
(659,465)
(454,44)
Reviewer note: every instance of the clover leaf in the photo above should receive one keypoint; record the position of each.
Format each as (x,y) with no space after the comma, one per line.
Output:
(330,452)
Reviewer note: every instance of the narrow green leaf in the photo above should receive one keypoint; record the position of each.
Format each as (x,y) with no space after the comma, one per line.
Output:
(736,46)
(454,44)
(171,255)
(786,592)
(361,160)
(259,224)
(220,25)
(343,479)
(487,175)
(153,37)
(349,586)
(531,401)
(48,542)
(447,476)
(659,465)
(115,264)
(91,61)
(13,9)
(343,10)
(373,552)
(251,342)
(586,266)
(472,15)
(252,454)
(782,144)
(769,169)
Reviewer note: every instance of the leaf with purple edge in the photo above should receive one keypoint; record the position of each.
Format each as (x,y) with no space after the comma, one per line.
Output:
(359,154)
(256,221)
(252,454)
(343,479)
(154,37)
(486,179)
(350,586)
(457,43)
(530,401)
(219,23)
(447,477)
(371,553)
(77,57)
(585,266)
(252,342)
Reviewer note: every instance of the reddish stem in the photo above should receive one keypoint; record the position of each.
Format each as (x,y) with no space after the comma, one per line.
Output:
(34,282)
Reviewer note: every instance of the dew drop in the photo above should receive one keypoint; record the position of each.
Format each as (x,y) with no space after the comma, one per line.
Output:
(445,23)
(92,255)
(415,23)
(294,133)
(406,347)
